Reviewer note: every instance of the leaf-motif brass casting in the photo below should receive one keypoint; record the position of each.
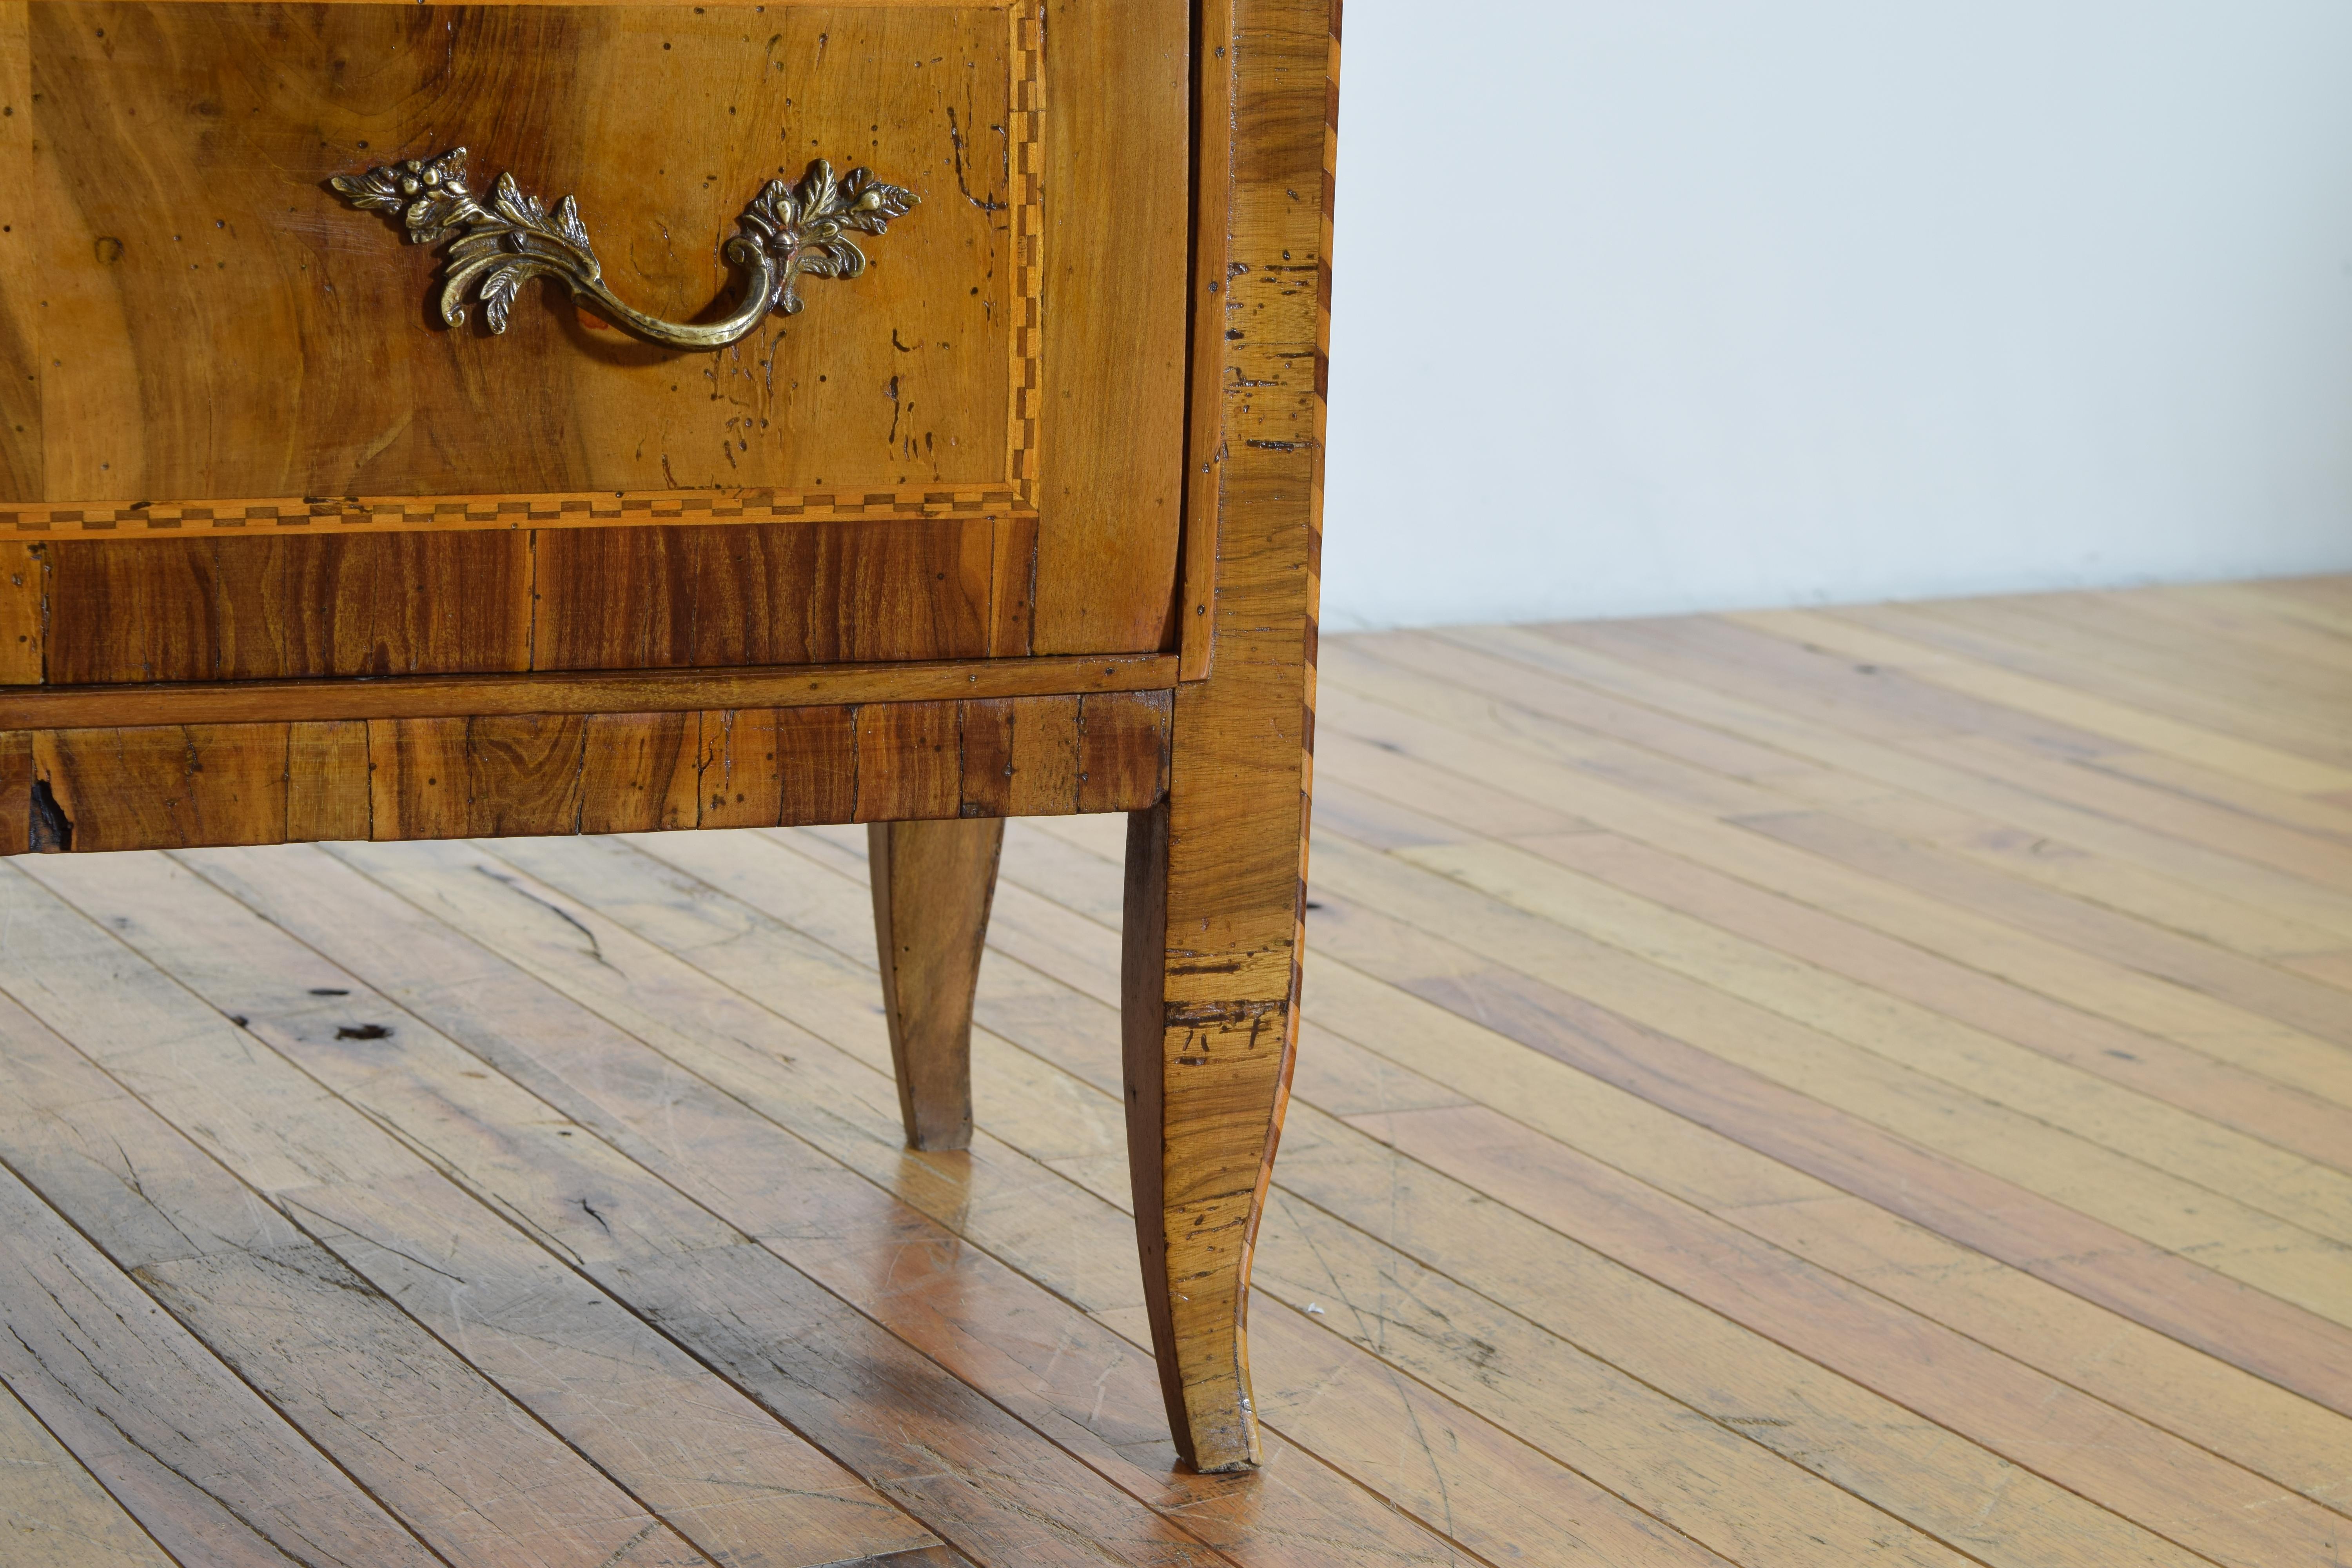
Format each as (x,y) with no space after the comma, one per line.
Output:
(787,231)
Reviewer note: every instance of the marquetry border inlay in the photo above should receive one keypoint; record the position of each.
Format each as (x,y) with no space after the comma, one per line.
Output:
(1015,495)
(1028,250)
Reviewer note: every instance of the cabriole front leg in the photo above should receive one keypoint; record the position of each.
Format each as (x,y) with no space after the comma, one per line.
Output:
(1210,1024)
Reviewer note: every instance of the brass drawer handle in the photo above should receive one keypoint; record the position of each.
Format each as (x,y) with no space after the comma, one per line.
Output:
(787,232)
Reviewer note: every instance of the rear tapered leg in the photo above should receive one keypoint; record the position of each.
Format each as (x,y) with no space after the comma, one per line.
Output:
(932,885)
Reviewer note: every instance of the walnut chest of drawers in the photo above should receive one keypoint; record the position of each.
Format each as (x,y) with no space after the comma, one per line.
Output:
(444,421)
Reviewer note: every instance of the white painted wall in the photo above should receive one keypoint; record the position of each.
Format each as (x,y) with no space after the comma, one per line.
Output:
(1647,306)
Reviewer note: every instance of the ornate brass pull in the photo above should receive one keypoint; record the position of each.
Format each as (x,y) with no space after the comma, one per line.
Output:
(787,232)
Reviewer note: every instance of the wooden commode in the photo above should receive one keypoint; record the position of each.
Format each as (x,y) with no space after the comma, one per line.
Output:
(471,421)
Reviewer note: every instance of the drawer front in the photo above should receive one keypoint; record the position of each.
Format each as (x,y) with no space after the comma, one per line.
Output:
(974,446)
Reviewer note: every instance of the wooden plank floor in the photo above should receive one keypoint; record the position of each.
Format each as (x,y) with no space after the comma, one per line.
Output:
(1859,1087)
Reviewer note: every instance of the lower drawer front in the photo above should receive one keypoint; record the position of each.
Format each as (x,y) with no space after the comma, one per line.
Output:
(554,599)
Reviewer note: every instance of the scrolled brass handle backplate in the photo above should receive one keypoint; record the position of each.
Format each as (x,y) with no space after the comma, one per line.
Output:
(788,232)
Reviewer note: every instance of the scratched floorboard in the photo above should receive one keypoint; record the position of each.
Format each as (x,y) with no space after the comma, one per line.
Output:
(1863,1086)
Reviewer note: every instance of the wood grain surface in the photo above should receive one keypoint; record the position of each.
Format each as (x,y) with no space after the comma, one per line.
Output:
(260,609)
(21,463)
(214,1473)
(1117,228)
(192,146)
(53,1509)
(424,1433)
(185,785)
(295,607)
